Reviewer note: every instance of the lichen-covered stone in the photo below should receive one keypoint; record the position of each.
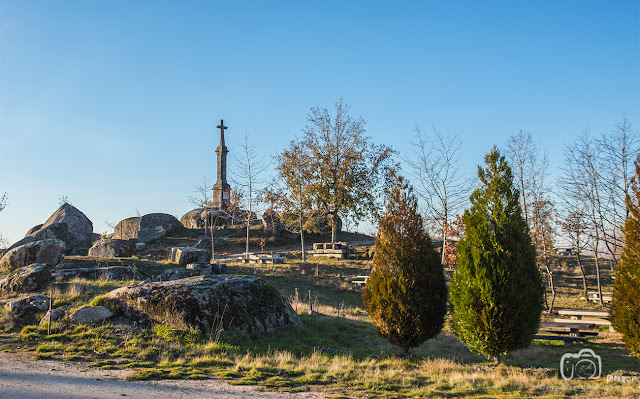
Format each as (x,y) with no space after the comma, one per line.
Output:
(26,279)
(56,314)
(49,252)
(109,248)
(244,303)
(147,228)
(120,273)
(70,226)
(192,269)
(177,273)
(90,314)
(68,274)
(109,273)
(26,304)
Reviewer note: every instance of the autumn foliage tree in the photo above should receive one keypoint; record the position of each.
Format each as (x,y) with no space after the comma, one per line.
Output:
(625,310)
(405,294)
(497,290)
(342,169)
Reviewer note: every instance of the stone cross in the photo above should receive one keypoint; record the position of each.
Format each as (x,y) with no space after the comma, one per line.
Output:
(221,189)
(222,127)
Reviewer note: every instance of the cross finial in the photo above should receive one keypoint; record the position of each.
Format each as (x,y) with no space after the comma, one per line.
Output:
(221,126)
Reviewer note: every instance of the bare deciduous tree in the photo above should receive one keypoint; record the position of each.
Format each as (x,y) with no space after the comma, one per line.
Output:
(582,184)
(542,215)
(435,166)
(619,148)
(247,177)
(574,226)
(530,170)
(202,193)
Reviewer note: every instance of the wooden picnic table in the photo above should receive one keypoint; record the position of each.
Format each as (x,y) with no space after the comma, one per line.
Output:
(361,280)
(584,313)
(573,335)
(574,326)
(599,317)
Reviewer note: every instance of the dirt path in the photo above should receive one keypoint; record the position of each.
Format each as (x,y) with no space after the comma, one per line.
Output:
(21,377)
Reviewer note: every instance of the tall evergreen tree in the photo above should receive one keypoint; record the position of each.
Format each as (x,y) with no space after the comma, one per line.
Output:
(497,291)
(406,293)
(625,309)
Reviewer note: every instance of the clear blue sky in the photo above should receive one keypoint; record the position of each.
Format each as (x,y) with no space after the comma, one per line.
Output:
(114,103)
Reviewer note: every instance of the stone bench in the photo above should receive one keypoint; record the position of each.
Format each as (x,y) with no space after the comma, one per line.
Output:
(338,250)
(594,296)
(208,268)
(186,255)
(263,259)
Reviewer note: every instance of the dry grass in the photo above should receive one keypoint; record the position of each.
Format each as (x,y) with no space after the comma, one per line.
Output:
(336,350)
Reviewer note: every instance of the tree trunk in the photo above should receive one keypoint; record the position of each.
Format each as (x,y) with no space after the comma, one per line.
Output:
(551,286)
(444,244)
(584,276)
(248,224)
(304,255)
(213,246)
(598,276)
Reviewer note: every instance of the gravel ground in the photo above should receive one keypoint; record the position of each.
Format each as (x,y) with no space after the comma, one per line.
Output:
(21,377)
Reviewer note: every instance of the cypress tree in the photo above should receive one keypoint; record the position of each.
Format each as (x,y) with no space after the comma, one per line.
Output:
(406,293)
(497,291)
(625,307)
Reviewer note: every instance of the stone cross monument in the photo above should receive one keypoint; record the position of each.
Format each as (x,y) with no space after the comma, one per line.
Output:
(221,190)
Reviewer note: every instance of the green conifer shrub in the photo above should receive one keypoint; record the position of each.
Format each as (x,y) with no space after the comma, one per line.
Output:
(406,293)
(497,291)
(625,307)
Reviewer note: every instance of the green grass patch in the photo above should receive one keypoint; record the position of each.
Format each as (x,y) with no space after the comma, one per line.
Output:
(146,374)
(211,362)
(276,382)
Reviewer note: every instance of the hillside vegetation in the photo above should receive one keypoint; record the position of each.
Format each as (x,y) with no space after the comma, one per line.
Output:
(336,350)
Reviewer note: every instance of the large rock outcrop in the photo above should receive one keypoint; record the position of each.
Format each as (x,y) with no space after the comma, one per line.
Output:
(26,279)
(244,303)
(147,228)
(49,252)
(25,304)
(70,226)
(108,248)
(193,219)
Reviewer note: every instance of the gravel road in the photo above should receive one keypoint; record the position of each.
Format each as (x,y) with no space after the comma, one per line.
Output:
(21,377)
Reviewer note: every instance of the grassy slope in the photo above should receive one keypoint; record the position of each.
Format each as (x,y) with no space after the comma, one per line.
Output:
(337,349)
